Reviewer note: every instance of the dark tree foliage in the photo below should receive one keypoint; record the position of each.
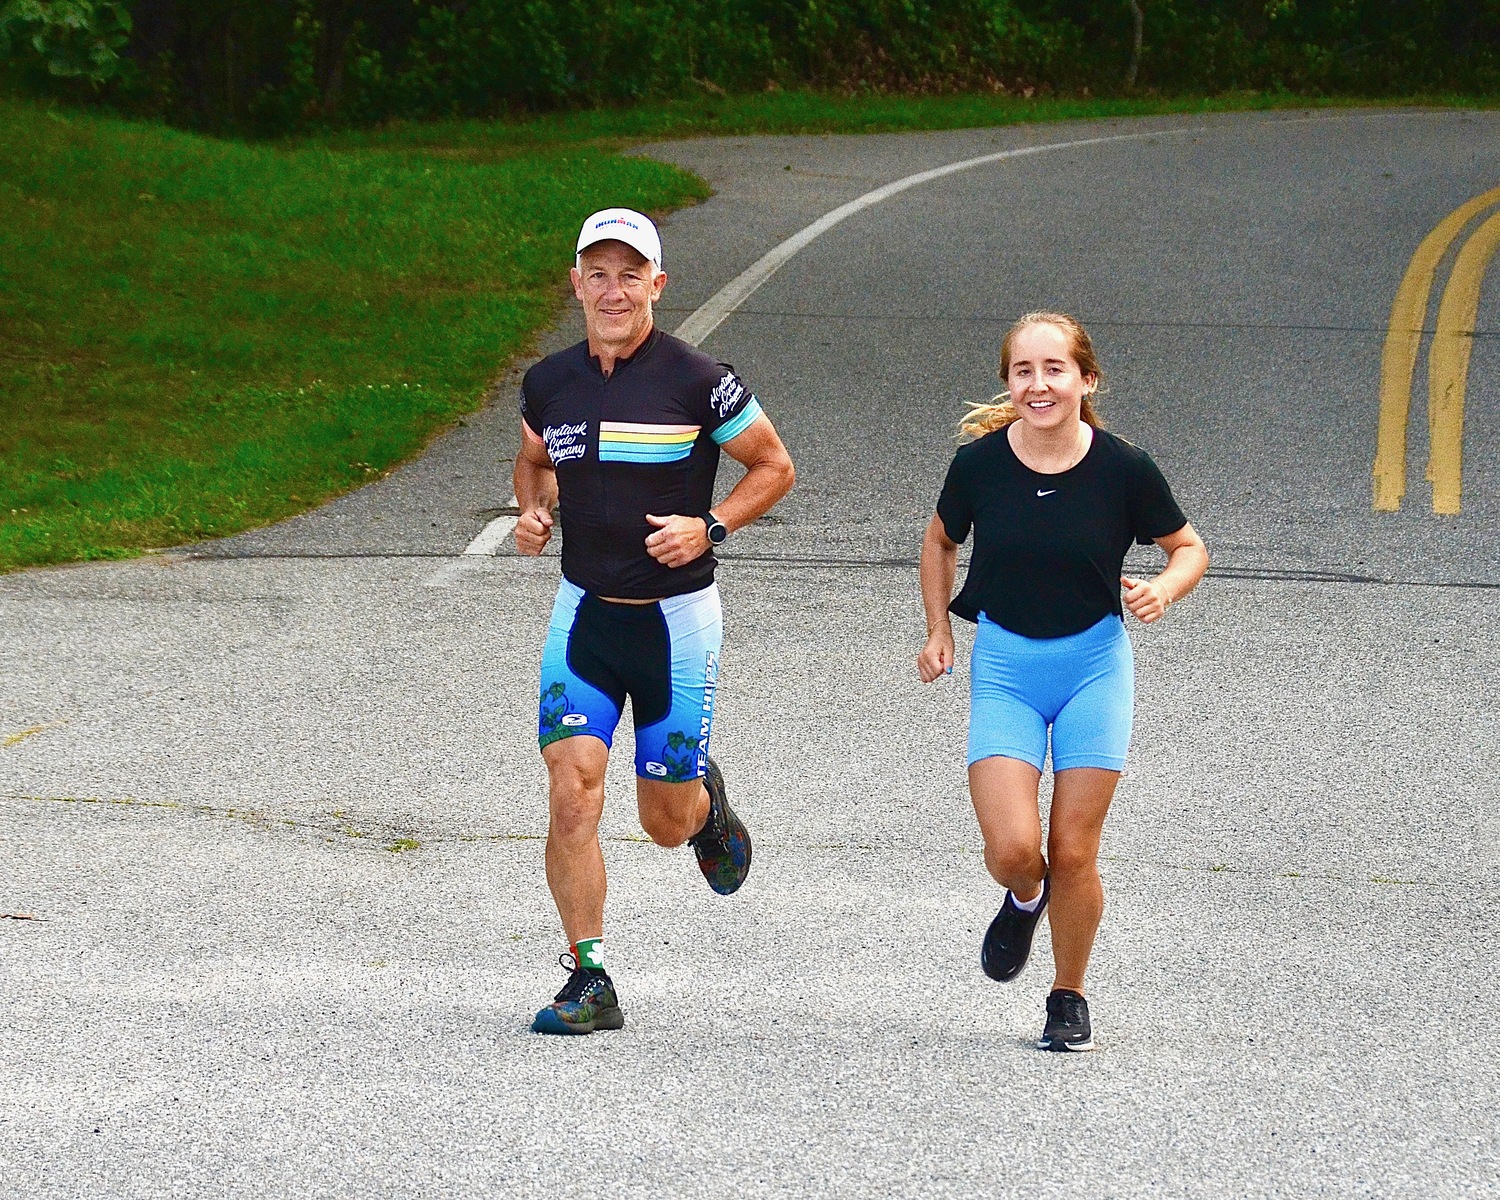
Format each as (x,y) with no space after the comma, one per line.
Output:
(280,64)
(66,39)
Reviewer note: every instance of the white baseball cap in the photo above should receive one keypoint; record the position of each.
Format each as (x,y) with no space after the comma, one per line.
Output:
(622,225)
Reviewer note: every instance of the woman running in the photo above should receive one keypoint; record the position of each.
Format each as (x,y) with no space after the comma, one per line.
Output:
(1054,502)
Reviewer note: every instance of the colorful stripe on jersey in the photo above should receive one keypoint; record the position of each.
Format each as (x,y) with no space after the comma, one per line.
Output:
(738,423)
(626,441)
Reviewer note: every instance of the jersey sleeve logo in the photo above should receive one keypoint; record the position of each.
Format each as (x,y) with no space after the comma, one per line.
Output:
(566,441)
(626,441)
(726,395)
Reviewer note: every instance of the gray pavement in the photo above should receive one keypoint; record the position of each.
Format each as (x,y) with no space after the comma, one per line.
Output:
(280,815)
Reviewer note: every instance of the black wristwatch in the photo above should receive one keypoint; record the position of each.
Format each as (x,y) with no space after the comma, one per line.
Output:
(716,529)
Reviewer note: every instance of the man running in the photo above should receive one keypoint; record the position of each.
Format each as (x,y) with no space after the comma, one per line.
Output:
(622,432)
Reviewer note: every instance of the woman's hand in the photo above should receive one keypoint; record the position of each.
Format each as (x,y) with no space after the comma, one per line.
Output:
(1147,599)
(1187,560)
(939,562)
(936,658)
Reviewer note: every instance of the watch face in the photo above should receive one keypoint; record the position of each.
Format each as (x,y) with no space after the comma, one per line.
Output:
(717,532)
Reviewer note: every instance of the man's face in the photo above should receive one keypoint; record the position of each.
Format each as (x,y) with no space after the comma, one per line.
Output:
(617,288)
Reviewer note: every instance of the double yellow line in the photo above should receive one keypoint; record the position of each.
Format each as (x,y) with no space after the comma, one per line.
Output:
(1447,358)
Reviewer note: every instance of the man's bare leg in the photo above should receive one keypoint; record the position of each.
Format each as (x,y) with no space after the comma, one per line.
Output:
(575,863)
(671,812)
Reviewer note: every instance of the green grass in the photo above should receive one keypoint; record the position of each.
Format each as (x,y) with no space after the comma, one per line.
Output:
(199,336)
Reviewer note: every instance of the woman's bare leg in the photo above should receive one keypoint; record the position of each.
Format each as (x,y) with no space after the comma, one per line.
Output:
(1080,800)
(1004,791)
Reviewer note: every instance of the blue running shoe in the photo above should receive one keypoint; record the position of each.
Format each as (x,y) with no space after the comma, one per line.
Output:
(586,1004)
(723,844)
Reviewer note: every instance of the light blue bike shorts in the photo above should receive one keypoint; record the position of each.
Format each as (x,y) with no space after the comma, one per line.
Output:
(664,656)
(1082,686)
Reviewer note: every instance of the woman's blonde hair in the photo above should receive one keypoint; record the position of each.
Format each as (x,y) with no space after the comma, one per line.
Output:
(1000,412)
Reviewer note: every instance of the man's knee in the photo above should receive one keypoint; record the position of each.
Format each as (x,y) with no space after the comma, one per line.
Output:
(573,823)
(670,813)
(575,800)
(665,829)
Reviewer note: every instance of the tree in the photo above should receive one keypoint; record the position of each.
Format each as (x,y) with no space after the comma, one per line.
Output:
(1138,16)
(74,38)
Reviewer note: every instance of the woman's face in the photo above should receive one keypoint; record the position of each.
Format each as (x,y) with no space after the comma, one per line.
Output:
(1046,384)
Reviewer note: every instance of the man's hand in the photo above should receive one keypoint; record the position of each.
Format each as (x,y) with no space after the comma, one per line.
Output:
(533,531)
(677,540)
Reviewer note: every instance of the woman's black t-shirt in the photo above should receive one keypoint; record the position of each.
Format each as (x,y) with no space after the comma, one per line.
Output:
(1048,549)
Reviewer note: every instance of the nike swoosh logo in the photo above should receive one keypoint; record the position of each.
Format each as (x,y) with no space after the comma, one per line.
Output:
(1040,493)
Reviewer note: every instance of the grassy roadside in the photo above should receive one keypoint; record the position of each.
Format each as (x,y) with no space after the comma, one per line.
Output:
(815,112)
(201,336)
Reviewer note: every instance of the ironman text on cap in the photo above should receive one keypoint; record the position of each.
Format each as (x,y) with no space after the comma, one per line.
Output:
(622,225)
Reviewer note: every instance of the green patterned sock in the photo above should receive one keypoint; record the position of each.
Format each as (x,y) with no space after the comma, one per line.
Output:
(590,953)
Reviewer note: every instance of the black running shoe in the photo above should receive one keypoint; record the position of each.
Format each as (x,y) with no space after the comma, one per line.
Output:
(1007,942)
(723,844)
(586,1003)
(1067,1025)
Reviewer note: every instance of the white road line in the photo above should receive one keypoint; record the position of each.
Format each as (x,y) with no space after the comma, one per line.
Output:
(722,303)
(712,313)
(486,545)
(447,574)
(493,535)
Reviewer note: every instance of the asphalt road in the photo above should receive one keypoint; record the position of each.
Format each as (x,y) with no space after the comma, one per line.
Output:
(277,810)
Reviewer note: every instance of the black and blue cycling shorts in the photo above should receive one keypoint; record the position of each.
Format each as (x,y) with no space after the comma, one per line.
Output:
(664,656)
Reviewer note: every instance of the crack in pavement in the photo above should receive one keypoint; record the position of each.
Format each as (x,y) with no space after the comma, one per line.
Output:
(399,841)
(818,562)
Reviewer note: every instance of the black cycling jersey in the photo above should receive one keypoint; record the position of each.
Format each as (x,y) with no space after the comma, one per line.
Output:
(1048,549)
(644,440)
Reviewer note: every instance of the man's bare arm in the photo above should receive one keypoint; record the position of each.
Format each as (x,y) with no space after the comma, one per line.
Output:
(769,475)
(536,493)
